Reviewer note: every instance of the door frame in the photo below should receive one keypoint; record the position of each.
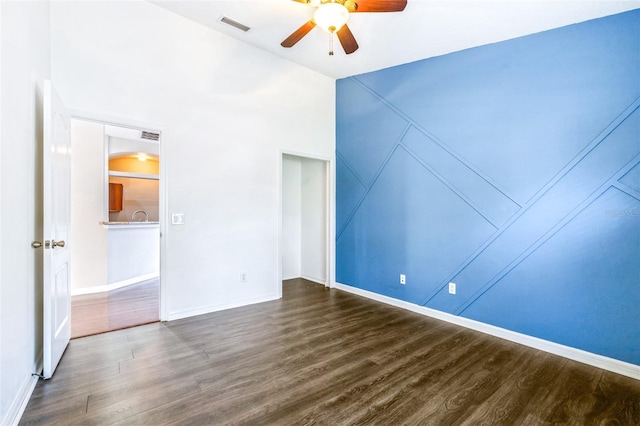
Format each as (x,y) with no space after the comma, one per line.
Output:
(329,214)
(163,183)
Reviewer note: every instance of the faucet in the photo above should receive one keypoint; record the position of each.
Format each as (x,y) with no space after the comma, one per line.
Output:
(146,216)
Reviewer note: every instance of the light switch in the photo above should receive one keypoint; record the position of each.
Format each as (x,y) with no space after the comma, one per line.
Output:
(177,218)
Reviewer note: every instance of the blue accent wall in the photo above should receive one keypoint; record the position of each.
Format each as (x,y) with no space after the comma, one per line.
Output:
(511,169)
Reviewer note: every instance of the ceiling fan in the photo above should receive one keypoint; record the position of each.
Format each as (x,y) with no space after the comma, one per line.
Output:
(332,16)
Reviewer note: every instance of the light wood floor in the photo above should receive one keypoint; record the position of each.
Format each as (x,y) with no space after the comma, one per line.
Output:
(322,356)
(122,308)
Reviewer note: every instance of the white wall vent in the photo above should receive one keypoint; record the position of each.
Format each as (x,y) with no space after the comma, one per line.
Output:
(235,24)
(150,136)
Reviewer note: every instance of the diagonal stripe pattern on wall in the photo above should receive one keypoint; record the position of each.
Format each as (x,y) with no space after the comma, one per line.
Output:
(510,169)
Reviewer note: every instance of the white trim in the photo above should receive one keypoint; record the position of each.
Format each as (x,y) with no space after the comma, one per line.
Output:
(19,404)
(329,216)
(314,279)
(280,243)
(114,286)
(16,409)
(599,361)
(163,212)
(209,309)
(2,420)
(164,185)
(328,193)
(109,120)
(303,155)
(331,206)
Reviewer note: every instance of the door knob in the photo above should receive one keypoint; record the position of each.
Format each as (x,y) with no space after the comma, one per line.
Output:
(55,244)
(36,244)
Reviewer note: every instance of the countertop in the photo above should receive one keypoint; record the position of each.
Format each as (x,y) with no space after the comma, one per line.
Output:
(124,224)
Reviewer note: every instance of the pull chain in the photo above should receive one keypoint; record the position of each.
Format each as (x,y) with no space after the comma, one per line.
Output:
(331,44)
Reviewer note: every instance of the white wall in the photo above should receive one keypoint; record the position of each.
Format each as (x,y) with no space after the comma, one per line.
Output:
(25,59)
(89,248)
(314,218)
(291,217)
(226,111)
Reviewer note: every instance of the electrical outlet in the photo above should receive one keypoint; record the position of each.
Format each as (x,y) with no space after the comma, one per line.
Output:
(452,288)
(403,279)
(243,277)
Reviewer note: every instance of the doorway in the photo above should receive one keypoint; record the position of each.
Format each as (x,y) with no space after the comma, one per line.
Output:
(305,219)
(115,227)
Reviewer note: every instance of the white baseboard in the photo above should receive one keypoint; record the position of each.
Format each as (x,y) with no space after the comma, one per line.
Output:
(314,279)
(19,404)
(595,360)
(113,286)
(209,309)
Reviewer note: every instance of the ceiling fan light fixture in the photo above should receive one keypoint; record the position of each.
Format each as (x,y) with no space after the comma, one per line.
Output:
(331,16)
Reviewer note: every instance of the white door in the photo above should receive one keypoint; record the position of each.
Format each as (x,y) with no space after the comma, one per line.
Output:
(56,218)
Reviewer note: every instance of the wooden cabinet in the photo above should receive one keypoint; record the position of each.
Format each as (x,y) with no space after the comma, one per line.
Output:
(115,197)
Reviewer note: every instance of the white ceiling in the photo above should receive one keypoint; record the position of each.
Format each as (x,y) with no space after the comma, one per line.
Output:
(426,28)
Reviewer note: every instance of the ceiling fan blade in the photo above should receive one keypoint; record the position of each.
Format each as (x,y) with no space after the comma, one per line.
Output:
(347,40)
(379,5)
(297,35)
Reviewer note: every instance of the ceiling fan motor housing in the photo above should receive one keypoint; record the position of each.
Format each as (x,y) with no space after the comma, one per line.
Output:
(331,16)
(335,19)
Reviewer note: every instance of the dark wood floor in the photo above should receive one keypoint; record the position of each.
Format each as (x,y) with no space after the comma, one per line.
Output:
(322,356)
(113,310)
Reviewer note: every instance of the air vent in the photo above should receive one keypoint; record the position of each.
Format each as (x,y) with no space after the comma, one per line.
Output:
(150,136)
(235,24)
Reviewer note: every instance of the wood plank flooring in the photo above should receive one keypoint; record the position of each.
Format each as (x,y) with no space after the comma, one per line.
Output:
(129,306)
(321,356)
